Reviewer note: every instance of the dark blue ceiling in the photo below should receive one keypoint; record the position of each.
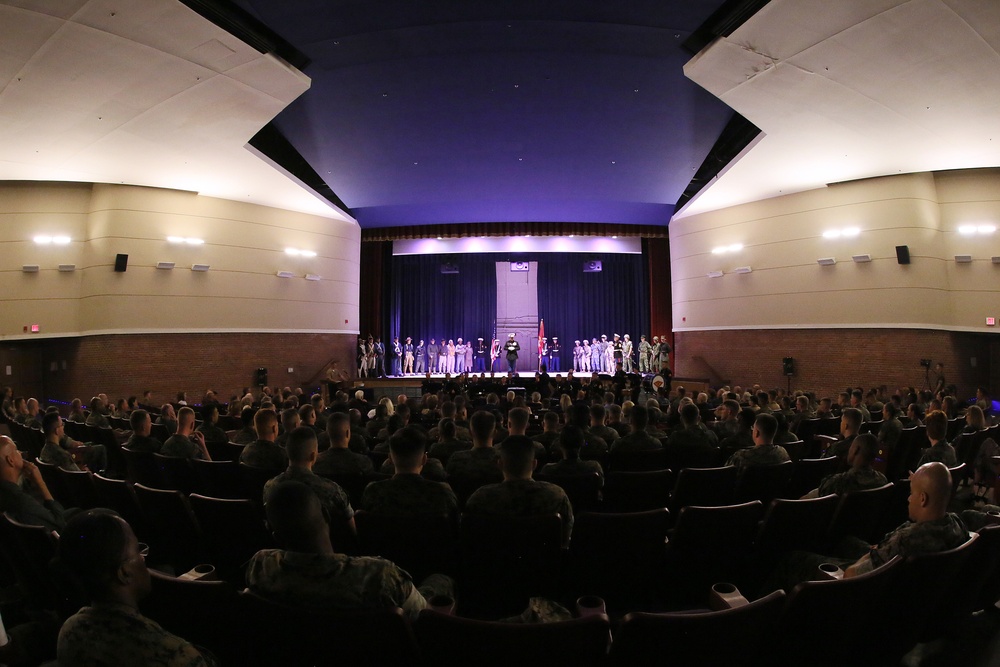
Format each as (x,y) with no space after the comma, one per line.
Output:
(450,112)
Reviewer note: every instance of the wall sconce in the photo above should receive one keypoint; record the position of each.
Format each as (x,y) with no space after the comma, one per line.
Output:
(313,277)
(826,261)
(30,268)
(295,252)
(963,259)
(189,240)
(67,268)
(200,267)
(861,259)
(846,232)
(715,274)
(285,274)
(165,266)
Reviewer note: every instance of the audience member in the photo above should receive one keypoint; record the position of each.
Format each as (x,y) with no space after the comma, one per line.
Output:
(264,452)
(20,482)
(860,476)
(408,492)
(142,426)
(570,442)
(338,459)
(940,450)
(186,443)
(764,452)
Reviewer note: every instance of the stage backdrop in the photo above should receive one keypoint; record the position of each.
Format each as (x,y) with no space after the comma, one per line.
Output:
(425,302)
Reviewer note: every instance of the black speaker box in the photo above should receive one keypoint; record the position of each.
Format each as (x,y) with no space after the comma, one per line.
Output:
(903,254)
(261,377)
(121,263)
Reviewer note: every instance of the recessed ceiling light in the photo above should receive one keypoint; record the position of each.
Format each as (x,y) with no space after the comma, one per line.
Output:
(742,269)
(313,277)
(60,240)
(715,274)
(30,268)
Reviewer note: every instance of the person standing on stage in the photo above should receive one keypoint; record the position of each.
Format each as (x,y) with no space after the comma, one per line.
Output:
(645,355)
(654,366)
(664,355)
(468,357)
(450,362)
(608,361)
(408,356)
(595,356)
(554,352)
(617,352)
(495,349)
(443,356)
(370,356)
(543,352)
(627,354)
(362,359)
(421,362)
(379,358)
(479,352)
(397,357)
(577,356)
(460,350)
(512,347)
(432,356)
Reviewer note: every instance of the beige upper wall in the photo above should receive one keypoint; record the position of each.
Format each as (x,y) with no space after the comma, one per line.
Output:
(244,245)
(783,238)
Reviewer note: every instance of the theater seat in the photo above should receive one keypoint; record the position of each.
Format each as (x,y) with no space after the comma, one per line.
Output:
(637,491)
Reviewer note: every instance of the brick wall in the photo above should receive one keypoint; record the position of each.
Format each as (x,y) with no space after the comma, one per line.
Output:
(828,360)
(122,365)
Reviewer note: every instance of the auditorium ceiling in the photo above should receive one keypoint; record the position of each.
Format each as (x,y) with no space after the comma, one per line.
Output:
(409,113)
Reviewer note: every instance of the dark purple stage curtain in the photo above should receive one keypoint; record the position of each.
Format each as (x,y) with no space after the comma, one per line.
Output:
(426,303)
(575,304)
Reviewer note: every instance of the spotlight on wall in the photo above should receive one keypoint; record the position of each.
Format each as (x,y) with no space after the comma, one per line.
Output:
(200,267)
(30,268)
(963,259)
(742,269)
(723,249)
(715,274)
(313,277)
(826,261)
(67,268)
(166,266)
(846,232)
(295,252)
(188,240)
(861,259)
(285,274)
(969,230)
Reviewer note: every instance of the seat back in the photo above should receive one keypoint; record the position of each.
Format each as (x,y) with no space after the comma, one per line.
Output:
(79,488)
(525,549)
(421,545)
(297,636)
(795,525)
(637,491)
(705,487)
(808,473)
(722,529)
(232,532)
(175,473)
(859,514)
(50,474)
(451,641)
(219,479)
(174,533)
(117,494)
(141,468)
(764,483)
(253,479)
(584,491)
(816,610)
(30,549)
(699,639)
(654,459)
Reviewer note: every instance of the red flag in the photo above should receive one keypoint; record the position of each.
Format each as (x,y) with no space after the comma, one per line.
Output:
(541,334)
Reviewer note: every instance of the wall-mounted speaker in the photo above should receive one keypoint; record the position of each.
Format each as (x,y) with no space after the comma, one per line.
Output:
(448,267)
(788,366)
(260,377)
(121,263)
(902,254)
(593,266)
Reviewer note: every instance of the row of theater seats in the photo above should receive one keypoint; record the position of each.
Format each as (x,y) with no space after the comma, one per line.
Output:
(869,620)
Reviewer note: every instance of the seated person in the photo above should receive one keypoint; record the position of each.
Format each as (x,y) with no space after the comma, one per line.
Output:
(764,452)
(290,420)
(210,424)
(930,529)
(638,439)
(570,442)
(302,451)
(246,434)
(743,438)
(52,452)
(479,464)
(518,494)
(142,426)
(307,571)
(891,429)
(100,551)
(850,425)
(20,482)
(940,450)
(409,493)
(97,416)
(691,433)
(168,418)
(447,443)
(860,476)
(264,452)
(338,459)
(186,443)
(594,446)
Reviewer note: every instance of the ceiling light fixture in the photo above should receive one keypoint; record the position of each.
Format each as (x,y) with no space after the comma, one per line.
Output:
(313,277)
(722,249)
(30,268)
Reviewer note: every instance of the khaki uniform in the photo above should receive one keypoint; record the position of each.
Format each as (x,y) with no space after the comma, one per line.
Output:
(117,635)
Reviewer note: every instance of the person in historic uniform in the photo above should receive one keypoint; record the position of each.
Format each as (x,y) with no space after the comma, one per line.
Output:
(664,356)
(617,351)
(655,358)
(495,349)
(408,356)
(460,350)
(432,356)
(379,358)
(450,357)
(627,354)
(362,358)
(479,353)
(397,357)
(443,353)
(595,356)
(577,356)
(468,357)
(420,352)
(645,355)
(543,352)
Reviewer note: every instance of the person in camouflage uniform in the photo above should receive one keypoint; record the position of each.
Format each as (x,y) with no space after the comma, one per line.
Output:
(478,464)
(860,476)
(638,439)
(763,452)
(338,459)
(571,440)
(302,451)
(308,572)
(264,452)
(408,493)
(518,494)
(186,443)
(52,453)
(100,550)
(140,440)
(940,450)
(447,442)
